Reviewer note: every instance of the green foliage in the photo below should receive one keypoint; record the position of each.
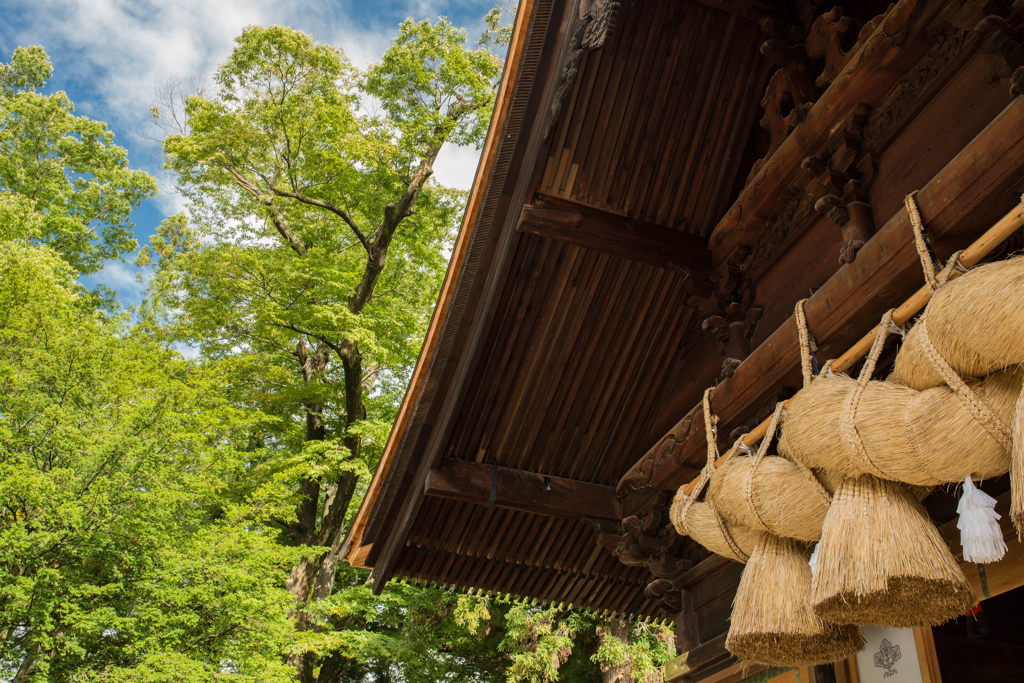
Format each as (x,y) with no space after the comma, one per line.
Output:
(409,633)
(428,81)
(120,556)
(497,33)
(540,640)
(77,179)
(310,259)
(647,650)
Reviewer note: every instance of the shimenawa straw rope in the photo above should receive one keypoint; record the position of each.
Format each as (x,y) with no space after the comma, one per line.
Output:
(967,258)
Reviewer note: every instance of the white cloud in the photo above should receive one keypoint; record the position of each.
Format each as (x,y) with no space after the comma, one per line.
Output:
(456,166)
(121,278)
(112,54)
(186,350)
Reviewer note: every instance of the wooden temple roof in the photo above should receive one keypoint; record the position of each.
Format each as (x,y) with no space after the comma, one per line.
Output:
(662,181)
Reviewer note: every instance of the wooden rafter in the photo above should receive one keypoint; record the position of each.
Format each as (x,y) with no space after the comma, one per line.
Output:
(473,482)
(613,234)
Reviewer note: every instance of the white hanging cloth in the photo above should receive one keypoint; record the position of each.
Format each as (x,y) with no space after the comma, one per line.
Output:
(980,535)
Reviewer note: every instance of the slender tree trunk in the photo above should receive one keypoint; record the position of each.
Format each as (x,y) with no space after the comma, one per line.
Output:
(25,670)
(617,628)
(313,578)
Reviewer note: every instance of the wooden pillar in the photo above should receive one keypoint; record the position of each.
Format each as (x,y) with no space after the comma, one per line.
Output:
(687,636)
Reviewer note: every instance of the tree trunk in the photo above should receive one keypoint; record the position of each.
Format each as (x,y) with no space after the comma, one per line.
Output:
(617,628)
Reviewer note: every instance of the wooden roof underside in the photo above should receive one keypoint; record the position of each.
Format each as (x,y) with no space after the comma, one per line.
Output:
(581,344)
(657,120)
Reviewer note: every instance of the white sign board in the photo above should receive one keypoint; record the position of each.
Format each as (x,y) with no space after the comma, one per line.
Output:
(890,656)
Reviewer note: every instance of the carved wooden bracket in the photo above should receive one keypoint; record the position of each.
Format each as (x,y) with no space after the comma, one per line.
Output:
(855,219)
(733,330)
(825,42)
(842,160)
(649,539)
(601,16)
(1007,42)
(669,597)
(789,96)
(596,23)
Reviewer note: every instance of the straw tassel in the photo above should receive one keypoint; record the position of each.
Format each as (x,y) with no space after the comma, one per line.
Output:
(980,535)
(1017,467)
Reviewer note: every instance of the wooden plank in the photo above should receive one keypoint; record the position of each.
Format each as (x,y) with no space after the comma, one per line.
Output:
(687,633)
(610,233)
(521,174)
(755,11)
(701,571)
(927,658)
(725,579)
(713,617)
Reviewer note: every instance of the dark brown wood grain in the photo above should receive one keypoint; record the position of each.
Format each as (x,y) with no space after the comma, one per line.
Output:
(896,44)
(470,482)
(609,233)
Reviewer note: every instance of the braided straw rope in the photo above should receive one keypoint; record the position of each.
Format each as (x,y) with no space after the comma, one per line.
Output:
(710,429)
(848,425)
(727,537)
(678,513)
(805,342)
(748,489)
(975,406)
(927,264)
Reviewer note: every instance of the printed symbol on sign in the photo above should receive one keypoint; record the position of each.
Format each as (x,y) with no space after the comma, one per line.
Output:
(886,657)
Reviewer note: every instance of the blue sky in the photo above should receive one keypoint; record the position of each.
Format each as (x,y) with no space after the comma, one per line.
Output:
(110,56)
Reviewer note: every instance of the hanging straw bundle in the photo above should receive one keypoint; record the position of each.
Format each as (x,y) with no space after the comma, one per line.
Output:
(773,622)
(770,493)
(784,497)
(975,323)
(881,561)
(701,521)
(703,524)
(924,438)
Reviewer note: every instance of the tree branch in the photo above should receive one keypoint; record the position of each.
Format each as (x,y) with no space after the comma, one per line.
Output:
(329,207)
(279,222)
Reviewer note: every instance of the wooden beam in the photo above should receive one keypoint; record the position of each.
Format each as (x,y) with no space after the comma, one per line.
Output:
(696,659)
(613,234)
(969,194)
(471,482)
(700,571)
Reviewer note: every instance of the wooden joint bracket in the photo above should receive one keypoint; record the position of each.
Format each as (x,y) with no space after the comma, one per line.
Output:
(1006,42)
(853,215)
(734,330)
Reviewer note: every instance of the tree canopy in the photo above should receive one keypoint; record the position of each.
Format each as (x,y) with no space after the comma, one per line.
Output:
(67,166)
(165,518)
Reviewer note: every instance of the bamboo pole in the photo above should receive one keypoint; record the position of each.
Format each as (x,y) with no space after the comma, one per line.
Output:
(970,256)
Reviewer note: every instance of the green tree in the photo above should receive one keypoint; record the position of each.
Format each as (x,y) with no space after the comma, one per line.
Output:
(319,250)
(67,166)
(123,554)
